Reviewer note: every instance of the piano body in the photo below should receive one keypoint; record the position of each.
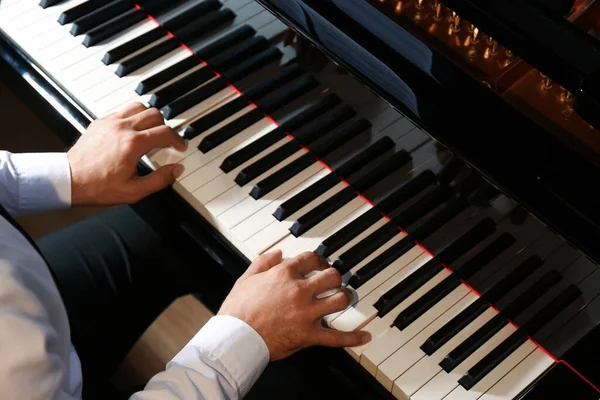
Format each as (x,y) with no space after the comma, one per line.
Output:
(441,155)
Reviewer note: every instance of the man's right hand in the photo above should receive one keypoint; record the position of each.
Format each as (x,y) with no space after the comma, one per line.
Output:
(277,299)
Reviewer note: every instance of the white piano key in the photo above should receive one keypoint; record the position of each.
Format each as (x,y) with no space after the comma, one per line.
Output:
(444,383)
(407,384)
(520,377)
(247,218)
(409,354)
(484,385)
(394,338)
(195,161)
(379,325)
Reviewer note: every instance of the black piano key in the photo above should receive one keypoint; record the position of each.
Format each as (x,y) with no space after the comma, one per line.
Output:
(259,167)
(414,281)
(79,11)
(204,53)
(473,342)
(307,135)
(101,15)
(286,173)
(49,3)
(454,326)
(284,97)
(468,315)
(424,303)
(215,117)
(238,158)
(519,337)
(492,359)
(182,17)
(241,156)
(398,197)
(138,61)
(201,76)
(166,75)
(181,87)
(201,94)
(301,199)
(349,259)
(493,326)
(381,262)
(347,233)
(328,207)
(132,46)
(113,27)
(441,290)
(255,93)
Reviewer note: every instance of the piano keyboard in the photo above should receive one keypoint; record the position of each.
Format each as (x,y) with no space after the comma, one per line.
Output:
(256,182)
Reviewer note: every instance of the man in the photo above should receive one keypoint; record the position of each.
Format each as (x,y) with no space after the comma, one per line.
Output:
(72,305)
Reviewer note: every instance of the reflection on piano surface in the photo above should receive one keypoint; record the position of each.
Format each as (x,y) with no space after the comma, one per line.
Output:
(466,295)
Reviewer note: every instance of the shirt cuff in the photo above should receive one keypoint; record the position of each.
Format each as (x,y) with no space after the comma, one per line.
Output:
(236,345)
(44,181)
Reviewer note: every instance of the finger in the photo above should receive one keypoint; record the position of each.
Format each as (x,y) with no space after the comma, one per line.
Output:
(335,303)
(160,137)
(130,110)
(332,338)
(325,280)
(156,181)
(147,119)
(265,262)
(308,262)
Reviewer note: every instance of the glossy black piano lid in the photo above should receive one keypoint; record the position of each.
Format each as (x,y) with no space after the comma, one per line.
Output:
(552,180)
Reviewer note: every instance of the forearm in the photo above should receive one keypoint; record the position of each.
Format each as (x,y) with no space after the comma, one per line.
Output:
(223,361)
(34,182)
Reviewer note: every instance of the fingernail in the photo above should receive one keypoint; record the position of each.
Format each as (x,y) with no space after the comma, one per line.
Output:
(178,171)
(187,143)
(365,337)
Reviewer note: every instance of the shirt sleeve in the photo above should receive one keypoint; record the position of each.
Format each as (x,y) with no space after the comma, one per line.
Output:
(34,182)
(223,361)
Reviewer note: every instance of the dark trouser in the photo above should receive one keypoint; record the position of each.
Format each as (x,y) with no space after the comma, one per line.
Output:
(116,273)
(119,270)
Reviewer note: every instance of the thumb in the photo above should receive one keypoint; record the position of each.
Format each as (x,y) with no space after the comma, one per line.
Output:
(265,262)
(158,180)
(332,338)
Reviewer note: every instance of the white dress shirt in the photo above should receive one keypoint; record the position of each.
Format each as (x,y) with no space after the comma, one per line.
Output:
(37,359)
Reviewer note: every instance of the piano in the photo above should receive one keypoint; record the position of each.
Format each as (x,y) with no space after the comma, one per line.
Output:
(441,155)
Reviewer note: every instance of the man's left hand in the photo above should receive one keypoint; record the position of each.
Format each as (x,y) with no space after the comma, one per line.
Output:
(104,161)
